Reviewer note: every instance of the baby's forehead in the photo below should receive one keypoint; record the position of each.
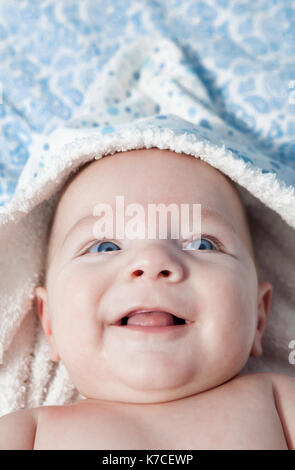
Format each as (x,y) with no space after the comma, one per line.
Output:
(151,166)
(185,183)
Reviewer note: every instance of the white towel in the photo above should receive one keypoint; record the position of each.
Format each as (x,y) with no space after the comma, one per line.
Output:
(28,378)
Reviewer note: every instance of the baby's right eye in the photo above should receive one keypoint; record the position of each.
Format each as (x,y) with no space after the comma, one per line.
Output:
(103,246)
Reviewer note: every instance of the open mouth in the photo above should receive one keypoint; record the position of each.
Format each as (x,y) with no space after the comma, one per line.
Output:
(176,321)
(150,319)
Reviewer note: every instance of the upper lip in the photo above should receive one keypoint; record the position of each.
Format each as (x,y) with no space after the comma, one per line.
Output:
(146,309)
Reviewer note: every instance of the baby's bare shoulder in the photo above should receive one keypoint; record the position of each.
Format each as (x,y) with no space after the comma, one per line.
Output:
(281,383)
(18,429)
(247,381)
(283,390)
(284,393)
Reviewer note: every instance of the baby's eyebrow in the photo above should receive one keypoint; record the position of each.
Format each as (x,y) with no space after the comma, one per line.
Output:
(206,213)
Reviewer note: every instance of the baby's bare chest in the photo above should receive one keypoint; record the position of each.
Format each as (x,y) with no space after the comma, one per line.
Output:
(236,418)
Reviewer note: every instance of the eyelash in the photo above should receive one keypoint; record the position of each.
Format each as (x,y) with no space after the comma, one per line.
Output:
(215,241)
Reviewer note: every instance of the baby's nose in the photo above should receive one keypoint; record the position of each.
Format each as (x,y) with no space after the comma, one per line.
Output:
(154,262)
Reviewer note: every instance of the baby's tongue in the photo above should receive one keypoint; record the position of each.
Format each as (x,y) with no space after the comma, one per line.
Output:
(151,319)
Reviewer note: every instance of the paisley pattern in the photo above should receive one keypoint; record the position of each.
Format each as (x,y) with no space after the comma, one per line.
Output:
(226,66)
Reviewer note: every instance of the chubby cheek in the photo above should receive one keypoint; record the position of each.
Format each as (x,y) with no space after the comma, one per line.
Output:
(74,301)
(228,314)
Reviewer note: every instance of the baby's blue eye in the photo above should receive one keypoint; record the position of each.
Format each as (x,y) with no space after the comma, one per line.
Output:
(199,243)
(104,246)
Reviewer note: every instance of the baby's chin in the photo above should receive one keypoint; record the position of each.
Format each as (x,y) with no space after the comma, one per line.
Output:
(148,392)
(149,368)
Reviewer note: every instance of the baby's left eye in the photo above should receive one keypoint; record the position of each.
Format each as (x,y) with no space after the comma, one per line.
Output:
(103,246)
(200,243)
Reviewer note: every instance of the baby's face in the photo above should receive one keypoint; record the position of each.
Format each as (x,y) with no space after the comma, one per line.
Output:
(88,289)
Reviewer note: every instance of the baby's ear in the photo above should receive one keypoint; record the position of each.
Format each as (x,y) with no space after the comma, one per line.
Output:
(263,308)
(43,314)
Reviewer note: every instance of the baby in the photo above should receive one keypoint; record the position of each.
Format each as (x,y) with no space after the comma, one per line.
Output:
(155,336)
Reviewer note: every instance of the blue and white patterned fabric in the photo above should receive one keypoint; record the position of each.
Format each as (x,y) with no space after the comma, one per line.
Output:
(225,65)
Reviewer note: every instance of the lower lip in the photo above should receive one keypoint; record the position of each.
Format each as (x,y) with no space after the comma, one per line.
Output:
(155,329)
